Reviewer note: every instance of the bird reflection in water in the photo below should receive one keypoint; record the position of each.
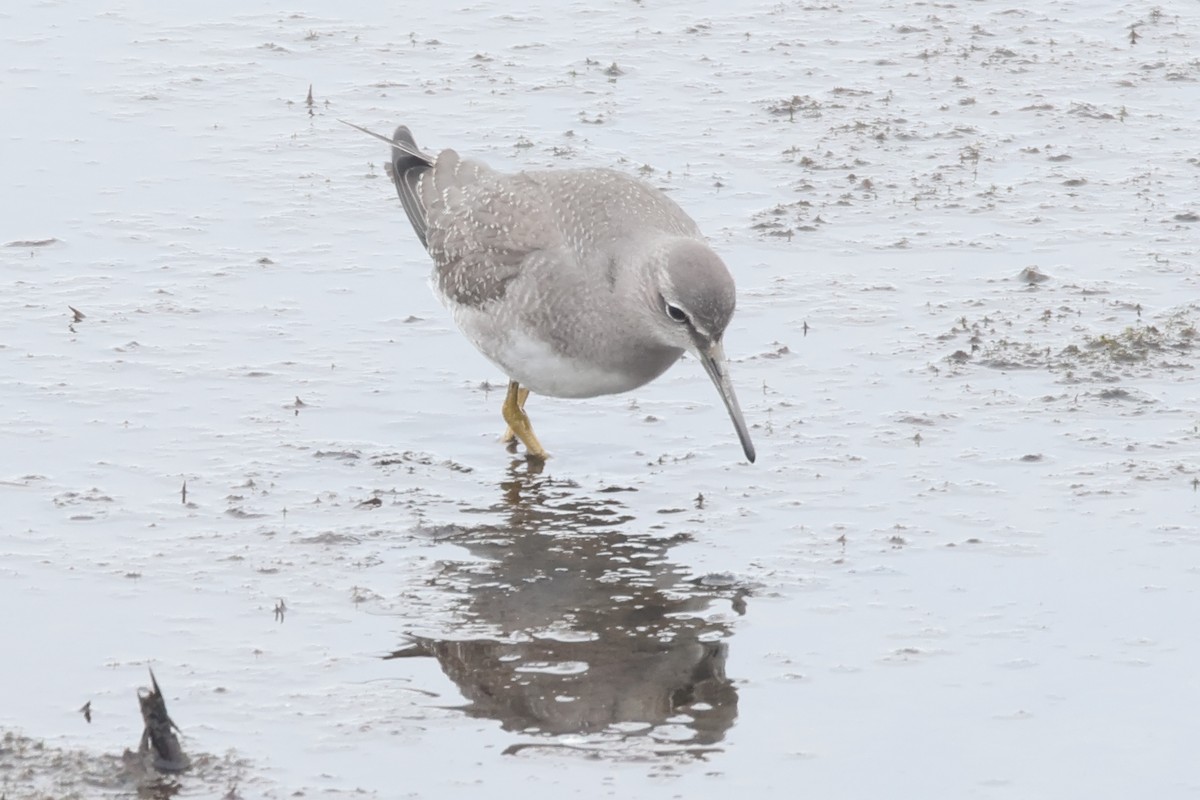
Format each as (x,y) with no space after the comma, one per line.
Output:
(584,627)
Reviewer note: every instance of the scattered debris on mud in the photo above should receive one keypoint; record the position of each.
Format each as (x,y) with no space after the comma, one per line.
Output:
(1082,354)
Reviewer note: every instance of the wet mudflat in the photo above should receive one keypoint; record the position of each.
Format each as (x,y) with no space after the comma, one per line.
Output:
(966,563)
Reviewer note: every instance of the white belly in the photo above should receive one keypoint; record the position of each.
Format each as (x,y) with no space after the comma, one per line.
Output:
(538,366)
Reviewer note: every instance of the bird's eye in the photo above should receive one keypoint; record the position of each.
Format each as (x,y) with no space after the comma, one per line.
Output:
(676,313)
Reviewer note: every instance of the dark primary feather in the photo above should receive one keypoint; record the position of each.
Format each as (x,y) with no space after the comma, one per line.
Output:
(408,164)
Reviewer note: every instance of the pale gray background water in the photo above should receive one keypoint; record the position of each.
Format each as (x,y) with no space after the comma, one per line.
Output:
(967,577)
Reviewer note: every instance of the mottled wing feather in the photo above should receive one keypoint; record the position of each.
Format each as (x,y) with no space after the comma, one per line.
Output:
(482,226)
(603,207)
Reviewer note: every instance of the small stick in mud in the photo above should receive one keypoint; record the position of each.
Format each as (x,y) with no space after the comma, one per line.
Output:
(157,738)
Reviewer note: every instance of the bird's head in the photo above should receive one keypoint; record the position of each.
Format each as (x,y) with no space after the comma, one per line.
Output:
(690,301)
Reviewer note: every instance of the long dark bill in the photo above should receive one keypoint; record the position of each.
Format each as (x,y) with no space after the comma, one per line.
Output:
(717,367)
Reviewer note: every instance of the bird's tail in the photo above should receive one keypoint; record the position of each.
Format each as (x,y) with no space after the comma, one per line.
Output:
(409,163)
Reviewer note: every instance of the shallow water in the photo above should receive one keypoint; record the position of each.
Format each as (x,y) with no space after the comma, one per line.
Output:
(965,564)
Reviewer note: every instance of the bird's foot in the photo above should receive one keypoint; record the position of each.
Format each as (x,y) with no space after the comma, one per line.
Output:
(519,427)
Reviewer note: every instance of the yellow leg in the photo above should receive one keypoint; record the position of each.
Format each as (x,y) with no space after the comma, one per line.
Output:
(518,421)
(522,395)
